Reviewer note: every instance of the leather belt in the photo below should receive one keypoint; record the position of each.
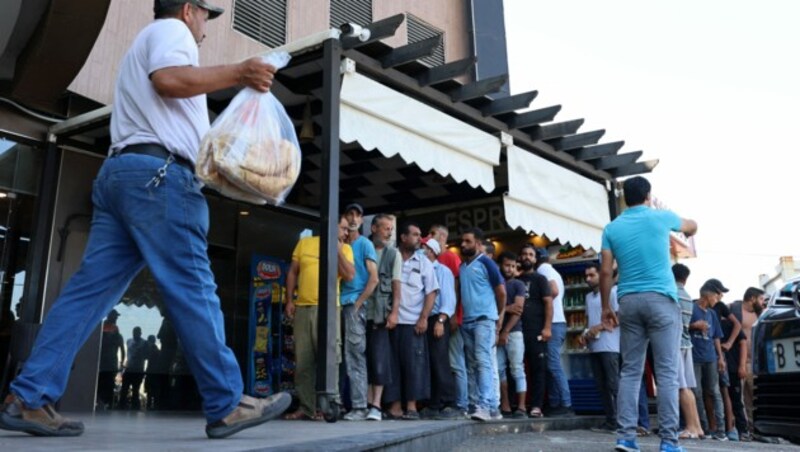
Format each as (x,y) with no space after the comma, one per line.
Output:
(156,150)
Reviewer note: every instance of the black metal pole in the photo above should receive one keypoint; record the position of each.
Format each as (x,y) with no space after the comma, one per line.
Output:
(328,312)
(34,290)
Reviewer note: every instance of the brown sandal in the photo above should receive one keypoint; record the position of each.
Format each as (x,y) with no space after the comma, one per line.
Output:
(536,412)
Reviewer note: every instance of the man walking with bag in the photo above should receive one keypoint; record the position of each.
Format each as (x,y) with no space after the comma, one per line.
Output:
(148,210)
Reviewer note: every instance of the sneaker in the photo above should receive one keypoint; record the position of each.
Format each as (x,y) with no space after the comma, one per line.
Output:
(667,447)
(374,414)
(250,412)
(44,421)
(449,414)
(561,411)
(481,414)
(427,413)
(720,436)
(626,445)
(359,414)
(496,415)
(519,414)
(733,435)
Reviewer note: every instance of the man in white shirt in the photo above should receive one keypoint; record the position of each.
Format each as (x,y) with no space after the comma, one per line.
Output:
(149,210)
(557,385)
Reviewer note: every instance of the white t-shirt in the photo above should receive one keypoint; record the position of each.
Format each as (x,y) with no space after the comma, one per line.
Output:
(608,340)
(139,114)
(552,274)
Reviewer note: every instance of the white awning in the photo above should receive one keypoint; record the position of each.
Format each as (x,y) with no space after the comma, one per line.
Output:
(382,118)
(548,199)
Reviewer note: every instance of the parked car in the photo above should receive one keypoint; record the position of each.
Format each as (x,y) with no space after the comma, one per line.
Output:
(776,365)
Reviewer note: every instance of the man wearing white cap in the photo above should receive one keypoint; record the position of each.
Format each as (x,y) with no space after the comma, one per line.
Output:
(442,401)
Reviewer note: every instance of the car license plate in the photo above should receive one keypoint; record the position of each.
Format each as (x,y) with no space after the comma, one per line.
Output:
(783,355)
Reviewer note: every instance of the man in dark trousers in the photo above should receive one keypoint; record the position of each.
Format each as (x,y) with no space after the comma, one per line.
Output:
(537,316)
(112,346)
(149,210)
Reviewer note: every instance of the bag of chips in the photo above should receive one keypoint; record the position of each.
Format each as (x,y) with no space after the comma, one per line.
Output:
(251,152)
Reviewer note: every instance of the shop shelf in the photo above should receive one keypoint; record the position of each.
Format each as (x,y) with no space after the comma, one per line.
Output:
(574,260)
(575,309)
(578,351)
(575,329)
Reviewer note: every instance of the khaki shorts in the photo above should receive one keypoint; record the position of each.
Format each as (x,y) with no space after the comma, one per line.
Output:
(686,377)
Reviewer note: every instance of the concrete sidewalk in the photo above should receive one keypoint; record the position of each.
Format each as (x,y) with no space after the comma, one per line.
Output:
(121,431)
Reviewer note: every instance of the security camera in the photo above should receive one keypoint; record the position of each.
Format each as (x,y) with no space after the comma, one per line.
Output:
(356,31)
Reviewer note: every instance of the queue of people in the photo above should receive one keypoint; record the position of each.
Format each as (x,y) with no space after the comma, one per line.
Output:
(428,336)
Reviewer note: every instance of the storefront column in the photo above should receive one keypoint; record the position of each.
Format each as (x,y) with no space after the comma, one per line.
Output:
(329,216)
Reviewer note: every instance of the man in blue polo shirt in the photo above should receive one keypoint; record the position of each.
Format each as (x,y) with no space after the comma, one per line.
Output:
(483,296)
(648,308)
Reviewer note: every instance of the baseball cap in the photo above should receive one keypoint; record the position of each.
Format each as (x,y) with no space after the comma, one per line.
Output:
(714,285)
(113,313)
(213,11)
(354,206)
(541,253)
(433,245)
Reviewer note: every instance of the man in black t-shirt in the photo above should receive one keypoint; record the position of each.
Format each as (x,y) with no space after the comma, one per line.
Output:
(536,316)
(510,342)
(734,345)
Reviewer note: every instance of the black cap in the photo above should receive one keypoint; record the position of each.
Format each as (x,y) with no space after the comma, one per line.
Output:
(713,285)
(113,314)
(213,11)
(354,206)
(541,253)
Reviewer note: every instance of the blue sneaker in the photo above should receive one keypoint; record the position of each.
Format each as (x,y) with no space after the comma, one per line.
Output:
(627,445)
(667,447)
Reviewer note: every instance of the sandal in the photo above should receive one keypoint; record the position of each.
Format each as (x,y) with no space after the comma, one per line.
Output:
(389,416)
(641,431)
(536,412)
(300,416)
(686,435)
(411,416)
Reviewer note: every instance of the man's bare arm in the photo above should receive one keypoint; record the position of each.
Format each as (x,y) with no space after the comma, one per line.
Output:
(189,81)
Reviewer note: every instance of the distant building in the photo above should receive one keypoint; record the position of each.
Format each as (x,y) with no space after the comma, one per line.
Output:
(786,269)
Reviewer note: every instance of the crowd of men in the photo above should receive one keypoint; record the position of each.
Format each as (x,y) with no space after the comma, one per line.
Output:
(427,335)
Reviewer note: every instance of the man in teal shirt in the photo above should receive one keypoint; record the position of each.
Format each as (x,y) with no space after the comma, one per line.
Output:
(354,293)
(648,308)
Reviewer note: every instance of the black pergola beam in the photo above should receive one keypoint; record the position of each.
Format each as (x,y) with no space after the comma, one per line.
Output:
(509,104)
(479,88)
(635,168)
(532,118)
(411,52)
(615,161)
(576,141)
(378,30)
(446,72)
(597,151)
(555,130)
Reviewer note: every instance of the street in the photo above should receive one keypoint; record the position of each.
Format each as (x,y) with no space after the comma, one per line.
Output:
(587,441)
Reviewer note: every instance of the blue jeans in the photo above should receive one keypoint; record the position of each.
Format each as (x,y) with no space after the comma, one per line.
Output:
(512,355)
(557,385)
(458,364)
(479,339)
(133,225)
(644,410)
(654,318)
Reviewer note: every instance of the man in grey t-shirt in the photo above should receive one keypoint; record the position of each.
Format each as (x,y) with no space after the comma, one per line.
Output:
(686,376)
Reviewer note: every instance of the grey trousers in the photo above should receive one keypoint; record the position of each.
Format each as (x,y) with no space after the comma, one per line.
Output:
(605,367)
(652,318)
(707,377)
(355,352)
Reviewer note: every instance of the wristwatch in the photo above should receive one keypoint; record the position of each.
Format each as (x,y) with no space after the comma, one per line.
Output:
(441,319)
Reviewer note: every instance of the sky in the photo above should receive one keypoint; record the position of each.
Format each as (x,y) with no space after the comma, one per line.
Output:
(709,88)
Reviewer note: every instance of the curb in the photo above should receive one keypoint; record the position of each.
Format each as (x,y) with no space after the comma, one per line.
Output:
(439,435)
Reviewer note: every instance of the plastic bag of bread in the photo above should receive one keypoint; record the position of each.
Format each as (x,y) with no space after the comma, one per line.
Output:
(251,152)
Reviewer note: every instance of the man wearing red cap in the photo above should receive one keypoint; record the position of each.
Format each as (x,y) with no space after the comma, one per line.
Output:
(149,210)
